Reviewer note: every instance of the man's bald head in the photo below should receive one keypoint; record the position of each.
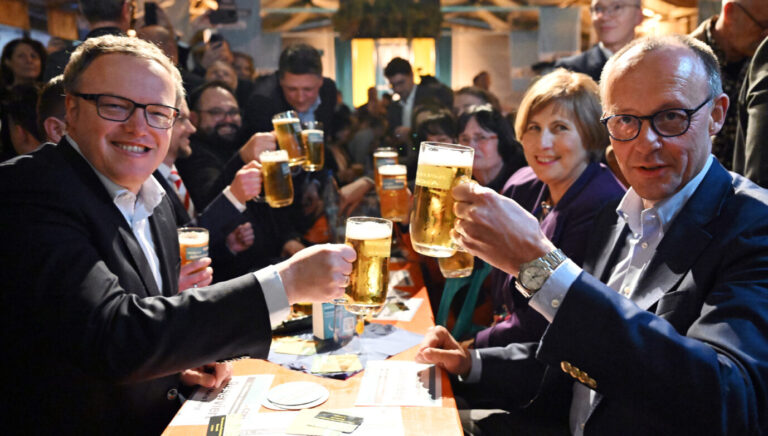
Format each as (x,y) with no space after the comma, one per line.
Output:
(161,37)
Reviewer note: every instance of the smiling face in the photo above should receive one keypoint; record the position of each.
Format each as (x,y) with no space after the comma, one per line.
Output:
(657,167)
(218,115)
(125,152)
(301,90)
(180,136)
(554,148)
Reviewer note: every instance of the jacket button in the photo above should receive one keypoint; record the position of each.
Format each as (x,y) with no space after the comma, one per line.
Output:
(172,394)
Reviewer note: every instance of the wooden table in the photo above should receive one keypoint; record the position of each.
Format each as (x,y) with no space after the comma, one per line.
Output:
(343,393)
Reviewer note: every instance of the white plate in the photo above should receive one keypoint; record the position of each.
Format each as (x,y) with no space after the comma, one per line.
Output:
(296,394)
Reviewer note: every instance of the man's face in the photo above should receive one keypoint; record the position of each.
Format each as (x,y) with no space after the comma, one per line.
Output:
(747,26)
(243,68)
(180,136)
(614,21)
(125,152)
(402,84)
(218,115)
(301,90)
(668,78)
(222,71)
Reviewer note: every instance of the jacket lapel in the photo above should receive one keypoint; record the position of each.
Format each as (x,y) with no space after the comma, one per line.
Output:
(686,239)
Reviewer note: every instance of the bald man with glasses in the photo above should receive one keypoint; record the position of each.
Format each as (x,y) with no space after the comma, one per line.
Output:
(614,22)
(665,329)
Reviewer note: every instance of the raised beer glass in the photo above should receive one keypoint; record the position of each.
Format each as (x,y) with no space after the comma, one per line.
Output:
(458,265)
(382,156)
(393,192)
(314,144)
(276,173)
(367,289)
(288,131)
(193,243)
(441,167)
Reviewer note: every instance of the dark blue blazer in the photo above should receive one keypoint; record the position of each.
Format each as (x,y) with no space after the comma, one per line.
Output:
(689,353)
(92,344)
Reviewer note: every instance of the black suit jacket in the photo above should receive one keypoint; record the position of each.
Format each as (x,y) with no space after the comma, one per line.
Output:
(750,153)
(93,345)
(436,93)
(591,62)
(689,353)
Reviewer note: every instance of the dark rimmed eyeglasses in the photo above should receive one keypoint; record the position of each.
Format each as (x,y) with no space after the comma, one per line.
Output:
(116,108)
(667,123)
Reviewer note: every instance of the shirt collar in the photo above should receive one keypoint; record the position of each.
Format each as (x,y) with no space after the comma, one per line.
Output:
(165,170)
(606,51)
(150,194)
(309,114)
(411,97)
(631,206)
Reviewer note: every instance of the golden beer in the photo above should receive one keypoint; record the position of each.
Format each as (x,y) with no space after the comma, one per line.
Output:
(288,132)
(276,172)
(313,144)
(367,290)
(193,243)
(456,266)
(393,192)
(441,167)
(382,156)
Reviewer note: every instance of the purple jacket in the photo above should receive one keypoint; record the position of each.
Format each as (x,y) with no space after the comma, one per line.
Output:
(567,225)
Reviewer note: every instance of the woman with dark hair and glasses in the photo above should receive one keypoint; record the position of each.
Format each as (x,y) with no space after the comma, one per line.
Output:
(565,186)
(497,156)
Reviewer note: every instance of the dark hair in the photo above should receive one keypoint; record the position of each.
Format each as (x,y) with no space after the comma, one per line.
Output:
(491,120)
(300,59)
(20,108)
(480,93)
(37,46)
(102,10)
(50,103)
(197,94)
(435,122)
(398,66)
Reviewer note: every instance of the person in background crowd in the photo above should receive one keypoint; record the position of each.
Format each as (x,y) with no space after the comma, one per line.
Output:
(225,72)
(469,96)
(482,80)
(51,111)
(21,125)
(614,22)
(750,154)
(733,35)
(244,67)
(164,38)
(23,60)
(104,17)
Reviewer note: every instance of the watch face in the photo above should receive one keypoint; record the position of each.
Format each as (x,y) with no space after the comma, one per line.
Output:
(533,277)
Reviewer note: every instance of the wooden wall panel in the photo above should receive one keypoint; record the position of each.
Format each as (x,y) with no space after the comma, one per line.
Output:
(14,13)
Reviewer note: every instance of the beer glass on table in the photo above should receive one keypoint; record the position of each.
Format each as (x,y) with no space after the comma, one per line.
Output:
(393,192)
(312,138)
(368,282)
(193,243)
(441,167)
(276,173)
(288,131)
(457,266)
(382,156)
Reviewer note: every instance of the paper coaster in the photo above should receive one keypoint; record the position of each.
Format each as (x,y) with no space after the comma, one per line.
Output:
(296,396)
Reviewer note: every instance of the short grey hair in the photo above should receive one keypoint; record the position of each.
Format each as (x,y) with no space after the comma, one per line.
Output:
(652,43)
(92,48)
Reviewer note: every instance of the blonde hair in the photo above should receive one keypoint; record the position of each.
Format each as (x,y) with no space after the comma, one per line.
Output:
(92,48)
(577,95)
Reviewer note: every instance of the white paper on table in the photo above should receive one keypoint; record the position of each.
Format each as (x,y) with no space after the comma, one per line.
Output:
(399,383)
(387,314)
(377,421)
(242,395)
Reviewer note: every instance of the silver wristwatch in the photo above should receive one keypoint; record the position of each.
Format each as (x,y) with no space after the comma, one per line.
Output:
(533,274)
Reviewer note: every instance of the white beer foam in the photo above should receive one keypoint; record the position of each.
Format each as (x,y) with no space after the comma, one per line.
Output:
(194,237)
(312,131)
(285,121)
(367,230)
(393,170)
(274,156)
(446,157)
(385,153)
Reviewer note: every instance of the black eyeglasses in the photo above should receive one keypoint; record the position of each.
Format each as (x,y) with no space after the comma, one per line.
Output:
(114,108)
(751,17)
(667,123)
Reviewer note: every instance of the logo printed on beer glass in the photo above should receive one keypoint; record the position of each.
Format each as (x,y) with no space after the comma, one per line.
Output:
(193,243)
